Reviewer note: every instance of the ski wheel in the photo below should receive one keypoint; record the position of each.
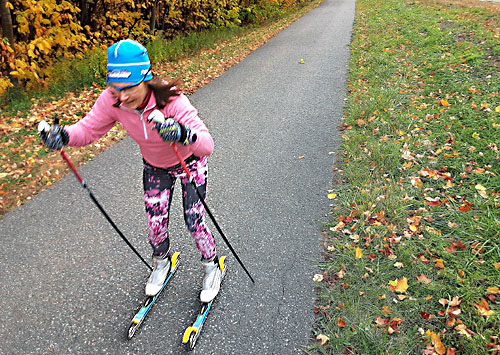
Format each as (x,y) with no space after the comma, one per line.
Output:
(189,338)
(173,260)
(192,342)
(222,259)
(131,330)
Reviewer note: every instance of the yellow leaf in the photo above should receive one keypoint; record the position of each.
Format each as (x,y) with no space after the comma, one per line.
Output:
(359,253)
(9,5)
(332,196)
(493,290)
(323,339)
(445,102)
(483,309)
(318,278)
(475,135)
(438,345)
(386,310)
(439,264)
(402,285)
(497,109)
(338,227)
(449,184)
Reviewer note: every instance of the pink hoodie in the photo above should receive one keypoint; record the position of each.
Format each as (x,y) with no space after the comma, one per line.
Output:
(154,150)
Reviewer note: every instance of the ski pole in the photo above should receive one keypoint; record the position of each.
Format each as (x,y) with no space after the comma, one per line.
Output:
(84,185)
(208,210)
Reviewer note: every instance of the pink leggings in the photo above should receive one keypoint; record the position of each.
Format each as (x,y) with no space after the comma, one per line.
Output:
(158,188)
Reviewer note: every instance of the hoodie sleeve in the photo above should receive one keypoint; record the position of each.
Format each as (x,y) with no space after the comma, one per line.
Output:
(95,124)
(183,111)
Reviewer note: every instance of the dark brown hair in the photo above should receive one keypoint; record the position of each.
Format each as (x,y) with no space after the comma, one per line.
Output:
(163,90)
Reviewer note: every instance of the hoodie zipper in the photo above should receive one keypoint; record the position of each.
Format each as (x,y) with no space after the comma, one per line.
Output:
(141,113)
(144,125)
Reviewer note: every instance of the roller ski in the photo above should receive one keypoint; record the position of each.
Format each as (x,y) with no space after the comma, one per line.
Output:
(215,272)
(164,268)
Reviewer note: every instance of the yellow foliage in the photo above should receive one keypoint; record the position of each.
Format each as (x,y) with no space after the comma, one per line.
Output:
(4,85)
(47,31)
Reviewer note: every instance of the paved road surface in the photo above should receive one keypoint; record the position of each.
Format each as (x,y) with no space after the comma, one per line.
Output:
(68,283)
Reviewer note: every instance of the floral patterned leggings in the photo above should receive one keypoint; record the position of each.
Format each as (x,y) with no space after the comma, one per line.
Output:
(158,188)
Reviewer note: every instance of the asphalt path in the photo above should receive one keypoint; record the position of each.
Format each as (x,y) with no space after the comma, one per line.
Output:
(69,284)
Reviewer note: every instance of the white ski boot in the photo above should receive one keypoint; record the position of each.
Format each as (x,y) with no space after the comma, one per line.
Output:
(161,268)
(211,281)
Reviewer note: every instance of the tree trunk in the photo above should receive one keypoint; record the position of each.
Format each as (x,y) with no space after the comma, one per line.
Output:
(7,29)
(84,13)
(152,20)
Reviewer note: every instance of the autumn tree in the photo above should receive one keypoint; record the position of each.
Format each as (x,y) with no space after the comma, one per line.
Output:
(6,23)
(42,32)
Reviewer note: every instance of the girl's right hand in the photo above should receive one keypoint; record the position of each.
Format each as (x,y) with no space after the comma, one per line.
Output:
(53,136)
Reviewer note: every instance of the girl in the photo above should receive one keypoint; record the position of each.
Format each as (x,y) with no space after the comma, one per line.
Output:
(141,103)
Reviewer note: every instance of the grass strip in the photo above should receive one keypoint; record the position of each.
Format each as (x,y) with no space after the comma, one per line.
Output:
(412,256)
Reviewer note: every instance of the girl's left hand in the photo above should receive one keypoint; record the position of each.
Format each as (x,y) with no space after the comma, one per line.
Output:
(172,131)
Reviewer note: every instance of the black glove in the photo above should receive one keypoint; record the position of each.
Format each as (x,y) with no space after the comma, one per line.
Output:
(53,136)
(173,131)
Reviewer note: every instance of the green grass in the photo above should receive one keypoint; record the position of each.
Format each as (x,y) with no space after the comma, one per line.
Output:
(422,107)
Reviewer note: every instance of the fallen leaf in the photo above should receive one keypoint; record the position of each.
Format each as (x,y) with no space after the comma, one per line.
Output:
(340,322)
(338,227)
(463,330)
(386,310)
(332,196)
(483,309)
(425,315)
(481,190)
(318,278)
(439,264)
(381,322)
(398,264)
(342,272)
(322,338)
(359,253)
(443,301)
(424,279)
(455,301)
(493,290)
(394,323)
(438,345)
(399,285)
